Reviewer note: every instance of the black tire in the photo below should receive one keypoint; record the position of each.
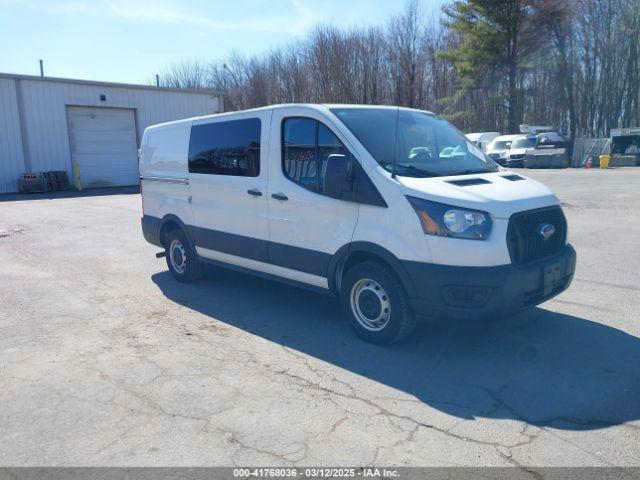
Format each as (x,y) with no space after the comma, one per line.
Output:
(192,267)
(364,279)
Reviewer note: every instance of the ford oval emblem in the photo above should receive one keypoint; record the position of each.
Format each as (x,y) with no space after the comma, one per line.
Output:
(546,231)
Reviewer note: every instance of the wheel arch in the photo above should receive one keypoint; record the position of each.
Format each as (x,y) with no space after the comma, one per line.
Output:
(358,252)
(168,223)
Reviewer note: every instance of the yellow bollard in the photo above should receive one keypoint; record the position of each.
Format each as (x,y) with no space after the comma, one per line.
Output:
(604,161)
(76,174)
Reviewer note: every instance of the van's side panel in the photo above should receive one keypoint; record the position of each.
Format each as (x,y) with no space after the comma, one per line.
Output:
(163,174)
(393,231)
(230,224)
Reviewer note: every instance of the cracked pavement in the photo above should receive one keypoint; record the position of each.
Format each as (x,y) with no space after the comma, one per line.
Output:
(106,361)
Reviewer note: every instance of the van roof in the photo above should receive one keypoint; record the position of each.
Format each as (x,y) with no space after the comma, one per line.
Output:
(315,106)
(477,135)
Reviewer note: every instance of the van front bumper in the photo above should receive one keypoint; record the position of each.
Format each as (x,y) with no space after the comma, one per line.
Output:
(477,292)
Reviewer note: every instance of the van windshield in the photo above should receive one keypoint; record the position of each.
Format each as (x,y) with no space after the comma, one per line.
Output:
(500,145)
(421,144)
(524,142)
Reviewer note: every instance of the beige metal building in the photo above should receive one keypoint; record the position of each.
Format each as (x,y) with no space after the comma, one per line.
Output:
(53,123)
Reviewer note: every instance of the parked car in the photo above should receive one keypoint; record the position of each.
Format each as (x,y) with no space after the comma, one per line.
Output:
(358,202)
(519,147)
(498,148)
(543,150)
(482,139)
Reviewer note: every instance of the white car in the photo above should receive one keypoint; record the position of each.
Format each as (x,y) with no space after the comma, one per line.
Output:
(356,202)
(498,148)
(519,148)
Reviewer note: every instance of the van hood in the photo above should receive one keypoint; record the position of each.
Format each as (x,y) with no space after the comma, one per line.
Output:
(493,193)
(518,151)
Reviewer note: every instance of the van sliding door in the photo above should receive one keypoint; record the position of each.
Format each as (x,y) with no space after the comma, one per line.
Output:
(228,176)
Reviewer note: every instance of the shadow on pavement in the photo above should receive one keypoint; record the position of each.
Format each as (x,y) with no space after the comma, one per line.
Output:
(87,192)
(540,367)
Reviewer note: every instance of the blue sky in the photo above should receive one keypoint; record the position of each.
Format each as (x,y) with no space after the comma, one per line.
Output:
(128,41)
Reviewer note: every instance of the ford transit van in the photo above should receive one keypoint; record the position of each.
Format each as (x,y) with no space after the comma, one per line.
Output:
(391,209)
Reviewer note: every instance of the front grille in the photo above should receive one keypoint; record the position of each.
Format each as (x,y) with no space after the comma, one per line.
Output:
(524,240)
(517,156)
(495,156)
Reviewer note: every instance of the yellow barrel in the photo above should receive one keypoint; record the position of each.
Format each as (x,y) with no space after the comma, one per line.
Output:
(604,161)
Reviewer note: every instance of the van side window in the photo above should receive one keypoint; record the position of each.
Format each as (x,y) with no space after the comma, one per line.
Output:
(306,145)
(226,148)
(299,152)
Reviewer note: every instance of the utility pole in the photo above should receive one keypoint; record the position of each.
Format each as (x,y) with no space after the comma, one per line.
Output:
(41,68)
(157,80)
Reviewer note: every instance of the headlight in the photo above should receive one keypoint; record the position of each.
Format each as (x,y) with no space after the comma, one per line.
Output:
(447,221)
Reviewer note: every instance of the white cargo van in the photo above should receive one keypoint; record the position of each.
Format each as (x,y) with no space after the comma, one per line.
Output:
(498,148)
(391,209)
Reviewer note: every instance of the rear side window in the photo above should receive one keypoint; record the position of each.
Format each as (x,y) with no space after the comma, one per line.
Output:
(226,148)
(306,145)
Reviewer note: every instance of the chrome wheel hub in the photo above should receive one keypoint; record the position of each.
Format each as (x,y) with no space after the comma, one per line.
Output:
(370,304)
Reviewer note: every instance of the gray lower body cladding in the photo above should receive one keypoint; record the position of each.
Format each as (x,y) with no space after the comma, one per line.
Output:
(434,290)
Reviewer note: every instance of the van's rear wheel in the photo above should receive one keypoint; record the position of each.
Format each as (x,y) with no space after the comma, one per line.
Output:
(182,261)
(375,303)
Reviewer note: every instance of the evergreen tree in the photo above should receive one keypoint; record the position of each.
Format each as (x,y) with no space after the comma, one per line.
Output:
(496,38)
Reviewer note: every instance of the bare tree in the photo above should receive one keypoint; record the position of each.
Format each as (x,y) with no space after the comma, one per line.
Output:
(578,67)
(407,57)
(186,74)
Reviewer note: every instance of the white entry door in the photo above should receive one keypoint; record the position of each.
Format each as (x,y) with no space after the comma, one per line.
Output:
(306,227)
(104,145)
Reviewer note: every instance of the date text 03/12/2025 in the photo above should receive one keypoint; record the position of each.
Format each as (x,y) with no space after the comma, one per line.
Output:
(319,472)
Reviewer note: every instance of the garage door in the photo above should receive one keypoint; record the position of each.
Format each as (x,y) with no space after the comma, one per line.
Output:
(103,144)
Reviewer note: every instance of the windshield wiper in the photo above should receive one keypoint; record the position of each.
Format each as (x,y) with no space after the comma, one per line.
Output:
(413,169)
(426,173)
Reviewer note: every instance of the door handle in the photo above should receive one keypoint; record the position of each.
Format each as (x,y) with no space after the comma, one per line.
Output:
(279,196)
(255,192)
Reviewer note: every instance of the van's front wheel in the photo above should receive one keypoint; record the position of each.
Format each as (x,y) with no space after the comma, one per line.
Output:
(375,303)
(182,261)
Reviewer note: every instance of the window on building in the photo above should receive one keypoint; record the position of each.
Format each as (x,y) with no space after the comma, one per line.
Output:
(226,148)
(306,145)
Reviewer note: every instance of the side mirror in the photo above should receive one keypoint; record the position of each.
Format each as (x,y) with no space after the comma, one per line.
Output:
(337,175)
